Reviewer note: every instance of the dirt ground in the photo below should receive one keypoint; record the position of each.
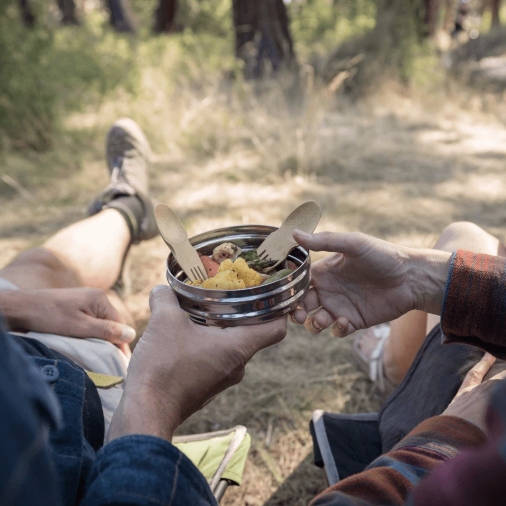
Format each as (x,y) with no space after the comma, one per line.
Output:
(397,172)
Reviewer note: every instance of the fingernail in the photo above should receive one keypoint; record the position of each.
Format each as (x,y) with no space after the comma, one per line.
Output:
(337,330)
(128,334)
(315,325)
(302,234)
(291,318)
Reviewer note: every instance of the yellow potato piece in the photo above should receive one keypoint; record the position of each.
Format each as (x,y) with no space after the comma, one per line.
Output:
(224,280)
(233,276)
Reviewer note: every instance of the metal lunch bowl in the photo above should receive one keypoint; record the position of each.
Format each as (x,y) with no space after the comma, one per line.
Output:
(249,306)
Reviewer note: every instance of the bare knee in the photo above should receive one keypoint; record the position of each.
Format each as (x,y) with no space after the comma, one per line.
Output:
(461,229)
(468,236)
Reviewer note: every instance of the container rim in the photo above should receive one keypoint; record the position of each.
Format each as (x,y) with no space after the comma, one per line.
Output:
(237,231)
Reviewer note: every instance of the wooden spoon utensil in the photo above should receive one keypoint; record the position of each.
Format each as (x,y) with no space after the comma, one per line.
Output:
(279,244)
(176,237)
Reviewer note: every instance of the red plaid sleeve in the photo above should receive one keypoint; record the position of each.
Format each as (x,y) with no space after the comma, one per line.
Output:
(474,308)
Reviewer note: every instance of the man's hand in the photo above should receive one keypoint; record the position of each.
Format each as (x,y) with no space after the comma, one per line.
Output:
(179,366)
(471,401)
(368,281)
(73,312)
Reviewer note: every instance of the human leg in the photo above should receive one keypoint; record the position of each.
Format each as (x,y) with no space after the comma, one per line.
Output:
(87,253)
(428,387)
(409,332)
(91,252)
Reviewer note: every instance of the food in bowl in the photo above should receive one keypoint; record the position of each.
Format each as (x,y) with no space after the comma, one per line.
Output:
(231,268)
(250,306)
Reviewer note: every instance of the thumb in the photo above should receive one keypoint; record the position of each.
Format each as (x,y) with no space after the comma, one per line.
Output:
(108,330)
(327,241)
(163,298)
(475,376)
(251,339)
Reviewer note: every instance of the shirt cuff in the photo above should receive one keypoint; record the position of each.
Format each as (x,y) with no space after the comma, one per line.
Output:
(140,470)
(474,307)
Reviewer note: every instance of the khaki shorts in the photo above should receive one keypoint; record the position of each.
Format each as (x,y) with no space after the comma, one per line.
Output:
(93,355)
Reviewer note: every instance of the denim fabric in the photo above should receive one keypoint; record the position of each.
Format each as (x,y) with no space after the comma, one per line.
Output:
(92,414)
(28,408)
(63,469)
(142,470)
(71,454)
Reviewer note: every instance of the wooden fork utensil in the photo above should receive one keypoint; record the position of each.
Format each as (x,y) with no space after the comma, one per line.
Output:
(176,237)
(279,244)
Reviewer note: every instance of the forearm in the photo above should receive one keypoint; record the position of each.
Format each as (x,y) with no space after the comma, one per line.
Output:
(13,306)
(141,412)
(428,276)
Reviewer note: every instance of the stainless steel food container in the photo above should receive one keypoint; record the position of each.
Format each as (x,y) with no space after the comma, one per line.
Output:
(250,306)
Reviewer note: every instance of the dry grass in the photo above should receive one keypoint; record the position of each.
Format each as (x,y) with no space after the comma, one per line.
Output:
(391,167)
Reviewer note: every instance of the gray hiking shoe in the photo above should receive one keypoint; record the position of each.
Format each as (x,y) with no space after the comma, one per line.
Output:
(128,156)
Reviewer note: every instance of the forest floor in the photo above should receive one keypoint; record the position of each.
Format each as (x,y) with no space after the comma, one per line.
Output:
(395,168)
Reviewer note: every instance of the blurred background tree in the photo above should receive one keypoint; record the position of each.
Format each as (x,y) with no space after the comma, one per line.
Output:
(262,33)
(165,15)
(48,72)
(119,16)
(495,8)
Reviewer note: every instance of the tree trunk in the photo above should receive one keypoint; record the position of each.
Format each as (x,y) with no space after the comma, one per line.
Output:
(430,15)
(450,15)
(262,33)
(495,8)
(407,18)
(119,17)
(68,12)
(396,34)
(165,15)
(26,13)
(396,21)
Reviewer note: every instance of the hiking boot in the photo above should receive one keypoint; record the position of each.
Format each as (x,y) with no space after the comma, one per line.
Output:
(128,157)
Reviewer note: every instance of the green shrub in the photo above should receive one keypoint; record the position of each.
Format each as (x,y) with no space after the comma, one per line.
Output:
(46,73)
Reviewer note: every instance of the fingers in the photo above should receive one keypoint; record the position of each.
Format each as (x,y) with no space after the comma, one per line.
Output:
(308,304)
(475,376)
(318,321)
(101,320)
(328,241)
(311,301)
(100,306)
(322,319)
(254,338)
(107,330)
(298,316)
(342,327)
